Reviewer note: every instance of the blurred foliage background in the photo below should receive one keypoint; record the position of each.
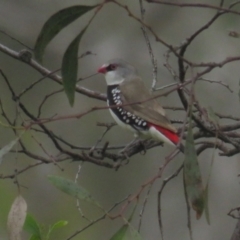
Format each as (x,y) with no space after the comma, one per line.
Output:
(113,34)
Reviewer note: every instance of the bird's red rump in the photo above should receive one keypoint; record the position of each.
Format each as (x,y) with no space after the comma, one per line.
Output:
(172,136)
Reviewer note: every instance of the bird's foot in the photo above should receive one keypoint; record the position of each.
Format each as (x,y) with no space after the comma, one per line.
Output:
(122,161)
(143,147)
(124,150)
(124,155)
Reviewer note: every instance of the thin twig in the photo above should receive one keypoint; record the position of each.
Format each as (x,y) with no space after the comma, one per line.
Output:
(152,57)
(98,219)
(217,82)
(196,5)
(165,181)
(144,207)
(16,40)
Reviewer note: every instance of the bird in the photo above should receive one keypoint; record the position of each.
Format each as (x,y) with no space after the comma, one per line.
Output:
(132,105)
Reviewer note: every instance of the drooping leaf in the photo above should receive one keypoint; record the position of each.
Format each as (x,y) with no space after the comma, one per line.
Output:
(31,226)
(70,67)
(55,24)
(7,148)
(73,189)
(192,175)
(207,213)
(16,218)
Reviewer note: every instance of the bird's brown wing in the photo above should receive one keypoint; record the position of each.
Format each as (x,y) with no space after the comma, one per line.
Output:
(134,91)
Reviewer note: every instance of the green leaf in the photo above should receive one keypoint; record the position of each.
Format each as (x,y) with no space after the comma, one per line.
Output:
(70,67)
(135,234)
(192,175)
(7,148)
(59,224)
(72,189)
(31,226)
(207,213)
(56,225)
(55,24)
(121,233)
(34,237)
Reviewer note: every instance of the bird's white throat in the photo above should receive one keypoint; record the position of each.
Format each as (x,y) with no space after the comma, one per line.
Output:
(112,78)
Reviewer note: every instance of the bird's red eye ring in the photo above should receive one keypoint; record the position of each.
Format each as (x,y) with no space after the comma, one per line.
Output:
(111,67)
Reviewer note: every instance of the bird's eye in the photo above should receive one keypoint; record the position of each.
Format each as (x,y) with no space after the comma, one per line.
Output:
(111,67)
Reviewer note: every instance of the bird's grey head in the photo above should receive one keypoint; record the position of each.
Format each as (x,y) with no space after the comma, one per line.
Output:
(116,71)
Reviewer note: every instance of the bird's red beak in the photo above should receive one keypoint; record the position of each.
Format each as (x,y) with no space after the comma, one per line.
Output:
(102,69)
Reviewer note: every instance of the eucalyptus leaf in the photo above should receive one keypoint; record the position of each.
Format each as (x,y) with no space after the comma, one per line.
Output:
(34,237)
(55,24)
(59,224)
(73,189)
(56,225)
(31,226)
(192,174)
(70,67)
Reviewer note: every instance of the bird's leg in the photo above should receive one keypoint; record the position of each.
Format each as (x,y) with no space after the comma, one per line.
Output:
(142,144)
(123,151)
